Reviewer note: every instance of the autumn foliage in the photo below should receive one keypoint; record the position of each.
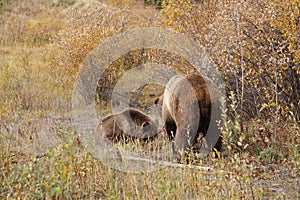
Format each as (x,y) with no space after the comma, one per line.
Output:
(254,43)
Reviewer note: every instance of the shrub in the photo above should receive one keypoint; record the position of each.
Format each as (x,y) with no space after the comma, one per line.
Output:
(255,44)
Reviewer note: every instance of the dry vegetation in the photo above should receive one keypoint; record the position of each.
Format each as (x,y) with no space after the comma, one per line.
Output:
(255,45)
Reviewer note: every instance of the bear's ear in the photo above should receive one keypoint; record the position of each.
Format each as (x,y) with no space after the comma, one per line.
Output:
(146,123)
(159,100)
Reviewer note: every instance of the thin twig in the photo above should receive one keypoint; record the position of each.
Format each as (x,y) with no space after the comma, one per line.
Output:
(168,164)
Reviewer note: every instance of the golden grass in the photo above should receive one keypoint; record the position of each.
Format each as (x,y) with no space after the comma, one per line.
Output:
(41,157)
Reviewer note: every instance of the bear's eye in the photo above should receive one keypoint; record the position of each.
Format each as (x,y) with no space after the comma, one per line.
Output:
(145,124)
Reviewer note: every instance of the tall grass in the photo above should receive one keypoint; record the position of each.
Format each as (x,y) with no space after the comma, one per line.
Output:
(42,158)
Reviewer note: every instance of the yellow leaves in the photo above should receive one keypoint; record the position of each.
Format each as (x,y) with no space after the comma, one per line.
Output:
(17,190)
(286,19)
(218,153)
(297,56)
(264,106)
(86,30)
(64,171)
(239,143)
(245,146)
(187,16)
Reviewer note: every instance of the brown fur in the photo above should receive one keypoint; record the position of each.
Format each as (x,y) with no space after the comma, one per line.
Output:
(186,110)
(128,125)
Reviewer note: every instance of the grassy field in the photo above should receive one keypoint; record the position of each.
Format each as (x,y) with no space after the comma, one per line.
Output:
(40,154)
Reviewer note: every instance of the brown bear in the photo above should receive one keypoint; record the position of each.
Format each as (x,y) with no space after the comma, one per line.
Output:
(190,110)
(129,125)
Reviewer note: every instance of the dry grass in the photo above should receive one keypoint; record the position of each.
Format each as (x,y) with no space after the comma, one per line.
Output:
(40,155)
(60,168)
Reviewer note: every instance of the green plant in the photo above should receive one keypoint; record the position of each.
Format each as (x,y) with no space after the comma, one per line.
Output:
(233,138)
(156,3)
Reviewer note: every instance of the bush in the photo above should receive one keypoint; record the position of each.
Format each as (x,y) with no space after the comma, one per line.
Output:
(255,44)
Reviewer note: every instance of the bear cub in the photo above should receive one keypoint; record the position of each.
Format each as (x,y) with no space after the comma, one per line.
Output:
(129,125)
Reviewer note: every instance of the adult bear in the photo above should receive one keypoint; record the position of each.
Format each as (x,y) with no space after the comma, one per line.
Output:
(190,110)
(129,125)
